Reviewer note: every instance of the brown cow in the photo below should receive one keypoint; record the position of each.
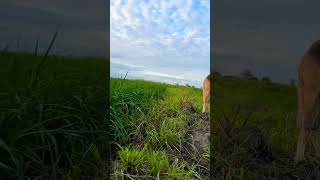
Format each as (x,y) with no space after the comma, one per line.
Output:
(206,94)
(308,119)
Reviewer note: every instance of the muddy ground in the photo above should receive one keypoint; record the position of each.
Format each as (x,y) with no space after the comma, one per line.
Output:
(196,138)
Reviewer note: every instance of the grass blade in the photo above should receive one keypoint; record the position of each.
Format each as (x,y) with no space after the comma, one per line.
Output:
(36,48)
(44,58)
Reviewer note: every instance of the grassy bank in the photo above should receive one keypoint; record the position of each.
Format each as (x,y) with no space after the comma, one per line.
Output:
(151,123)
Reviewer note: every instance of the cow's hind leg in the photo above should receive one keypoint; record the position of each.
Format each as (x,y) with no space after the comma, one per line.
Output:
(314,131)
(301,145)
(307,122)
(204,106)
(306,118)
(205,100)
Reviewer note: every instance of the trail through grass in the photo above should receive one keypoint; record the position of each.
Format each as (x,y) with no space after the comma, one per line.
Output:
(154,125)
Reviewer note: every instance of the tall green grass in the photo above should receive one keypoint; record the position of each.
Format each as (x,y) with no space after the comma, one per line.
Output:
(244,108)
(149,126)
(53,118)
(130,99)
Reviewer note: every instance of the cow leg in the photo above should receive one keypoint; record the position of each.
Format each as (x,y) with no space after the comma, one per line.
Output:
(204,107)
(314,131)
(301,145)
(307,112)
(314,141)
(205,100)
(307,118)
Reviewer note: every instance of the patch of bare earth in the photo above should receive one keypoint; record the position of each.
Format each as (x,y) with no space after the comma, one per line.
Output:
(196,138)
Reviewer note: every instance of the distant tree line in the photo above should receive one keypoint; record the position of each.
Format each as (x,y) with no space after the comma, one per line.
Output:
(247,74)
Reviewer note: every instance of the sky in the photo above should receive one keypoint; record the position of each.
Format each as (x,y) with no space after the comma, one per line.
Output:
(267,37)
(83,30)
(160,40)
(170,40)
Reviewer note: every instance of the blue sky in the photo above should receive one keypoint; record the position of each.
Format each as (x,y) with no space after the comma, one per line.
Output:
(160,40)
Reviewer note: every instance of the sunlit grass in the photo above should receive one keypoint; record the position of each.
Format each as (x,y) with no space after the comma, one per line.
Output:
(148,163)
(150,126)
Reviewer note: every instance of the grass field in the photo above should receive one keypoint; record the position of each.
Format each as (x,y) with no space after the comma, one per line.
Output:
(53,120)
(152,124)
(254,131)
(54,125)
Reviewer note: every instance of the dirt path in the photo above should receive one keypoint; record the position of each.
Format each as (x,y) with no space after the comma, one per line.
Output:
(197,140)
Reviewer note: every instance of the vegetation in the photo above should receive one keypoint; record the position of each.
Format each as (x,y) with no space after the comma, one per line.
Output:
(254,133)
(151,124)
(53,118)
(54,124)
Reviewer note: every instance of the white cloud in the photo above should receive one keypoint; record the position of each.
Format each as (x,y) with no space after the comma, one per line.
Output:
(152,73)
(161,32)
(189,34)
